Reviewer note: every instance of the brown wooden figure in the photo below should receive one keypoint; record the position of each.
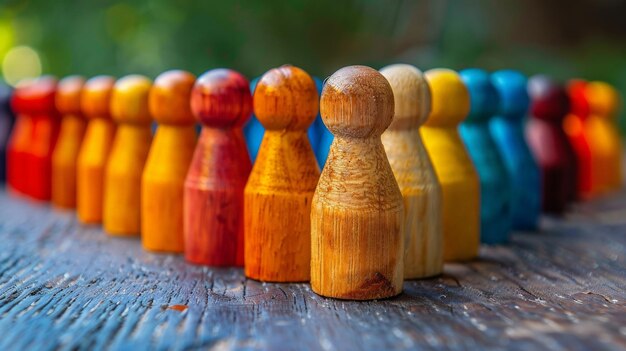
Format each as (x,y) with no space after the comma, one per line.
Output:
(94,151)
(162,185)
(453,165)
(357,215)
(414,172)
(280,188)
(65,155)
(122,177)
(213,200)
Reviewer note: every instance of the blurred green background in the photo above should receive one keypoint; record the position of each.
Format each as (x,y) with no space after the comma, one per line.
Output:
(574,38)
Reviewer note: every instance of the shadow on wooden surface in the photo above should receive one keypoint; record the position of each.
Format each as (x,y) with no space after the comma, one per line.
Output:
(65,286)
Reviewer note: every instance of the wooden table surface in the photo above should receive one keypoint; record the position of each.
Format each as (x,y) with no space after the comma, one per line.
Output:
(65,286)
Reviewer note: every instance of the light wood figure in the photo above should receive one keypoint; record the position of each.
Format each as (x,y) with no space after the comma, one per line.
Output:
(65,155)
(122,178)
(94,151)
(162,185)
(414,172)
(213,200)
(605,143)
(454,168)
(280,188)
(357,215)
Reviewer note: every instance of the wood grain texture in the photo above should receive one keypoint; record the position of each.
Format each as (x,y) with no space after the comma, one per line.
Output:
(278,195)
(455,171)
(414,172)
(129,151)
(67,286)
(94,151)
(213,199)
(65,155)
(162,185)
(357,215)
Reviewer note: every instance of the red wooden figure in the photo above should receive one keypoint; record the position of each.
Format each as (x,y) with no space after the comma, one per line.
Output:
(35,101)
(549,144)
(213,201)
(574,128)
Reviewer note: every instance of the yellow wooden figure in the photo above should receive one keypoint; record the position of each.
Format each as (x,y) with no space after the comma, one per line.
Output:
(94,151)
(65,154)
(163,180)
(129,109)
(414,172)
(454,168)
(604,139)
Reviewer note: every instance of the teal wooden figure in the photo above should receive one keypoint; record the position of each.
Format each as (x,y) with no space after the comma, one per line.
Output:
(495,191)
(507,128)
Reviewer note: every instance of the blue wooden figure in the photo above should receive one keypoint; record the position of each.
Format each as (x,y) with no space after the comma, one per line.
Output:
(507,128)
(253,130)
(495,191)
(325,137)
(6,124)
(318,128)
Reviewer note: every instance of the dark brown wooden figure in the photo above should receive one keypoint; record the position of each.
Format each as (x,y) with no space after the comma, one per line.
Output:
(279,192)
(6,124)
(213,200)
(36,101)
(357,215)
(549,143)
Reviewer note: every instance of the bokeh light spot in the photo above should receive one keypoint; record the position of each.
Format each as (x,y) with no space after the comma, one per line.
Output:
(19,63)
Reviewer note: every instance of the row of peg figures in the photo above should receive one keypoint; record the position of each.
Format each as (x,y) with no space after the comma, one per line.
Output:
(418,168)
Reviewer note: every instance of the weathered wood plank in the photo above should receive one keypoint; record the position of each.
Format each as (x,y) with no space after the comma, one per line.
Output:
(64,286)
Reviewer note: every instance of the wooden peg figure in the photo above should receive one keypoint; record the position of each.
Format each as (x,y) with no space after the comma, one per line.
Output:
(65,155)
(7,120)
(495,186)
(17,149)
(507,129)
(162,185)
(414,172)
(357,215)
(94,151)
(129,151)
(36,100)
(280,188)
(213,200)
(550,145)
(604,102)
(453,165)
(574,126)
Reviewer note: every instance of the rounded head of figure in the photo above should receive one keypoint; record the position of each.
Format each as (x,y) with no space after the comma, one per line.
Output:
(577,92)
(484,98)
(450,100)
(549,100)
(357,101)
(511,88)
(221,98)
(129,100)
(169,98)
(285,98)
(95,99)
(5,98)
(68,95)
(603,99)
(35,96)
(411,95)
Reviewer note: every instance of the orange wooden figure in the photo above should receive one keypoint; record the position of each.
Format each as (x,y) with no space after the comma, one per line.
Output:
(65,155)
(94,151)
(163,180)
(414,172)
(606,146)
(280,188)
(36,99)
(213,200)
(453,165)
(357,215)
(122,176)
